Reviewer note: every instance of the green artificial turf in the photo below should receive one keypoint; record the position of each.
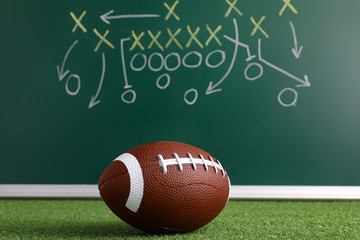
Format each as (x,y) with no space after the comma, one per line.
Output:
(91,219)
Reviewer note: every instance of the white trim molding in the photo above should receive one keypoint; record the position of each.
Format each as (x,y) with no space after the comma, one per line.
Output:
(239,192)
(48,191)
(296,192)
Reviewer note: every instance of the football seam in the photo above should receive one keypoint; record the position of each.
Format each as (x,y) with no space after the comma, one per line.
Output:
(163,163)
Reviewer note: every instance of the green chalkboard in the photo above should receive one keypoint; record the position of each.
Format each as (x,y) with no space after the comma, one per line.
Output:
(270,88)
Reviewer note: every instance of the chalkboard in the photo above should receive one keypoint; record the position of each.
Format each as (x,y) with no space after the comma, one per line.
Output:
(270,88)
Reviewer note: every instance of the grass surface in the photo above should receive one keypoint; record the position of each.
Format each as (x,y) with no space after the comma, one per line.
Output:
(91,219)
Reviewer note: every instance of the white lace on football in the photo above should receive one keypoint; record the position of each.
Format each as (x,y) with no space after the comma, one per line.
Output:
(164,163)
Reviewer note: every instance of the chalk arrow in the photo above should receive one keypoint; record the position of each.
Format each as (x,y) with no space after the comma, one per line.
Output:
(295,50)
(93,100)
(61,74)
(60,71)
(106,17)
(303,82)
(212,88)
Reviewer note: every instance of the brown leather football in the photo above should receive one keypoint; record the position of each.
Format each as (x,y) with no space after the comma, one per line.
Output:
(165,187)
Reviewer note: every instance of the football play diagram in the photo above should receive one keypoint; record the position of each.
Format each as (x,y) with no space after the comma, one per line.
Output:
(157,58)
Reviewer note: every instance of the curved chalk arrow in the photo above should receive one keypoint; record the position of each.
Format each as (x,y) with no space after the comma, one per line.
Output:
(212,87)
(295,50)
(93,100)
(60,72)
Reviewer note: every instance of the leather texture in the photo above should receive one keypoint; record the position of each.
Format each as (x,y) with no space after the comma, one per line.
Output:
(178,201)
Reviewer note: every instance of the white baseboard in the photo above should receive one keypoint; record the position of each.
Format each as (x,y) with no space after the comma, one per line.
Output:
(49,191)
(296,192)
(237,192)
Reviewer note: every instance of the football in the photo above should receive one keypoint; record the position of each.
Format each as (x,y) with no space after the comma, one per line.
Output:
(165,187)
